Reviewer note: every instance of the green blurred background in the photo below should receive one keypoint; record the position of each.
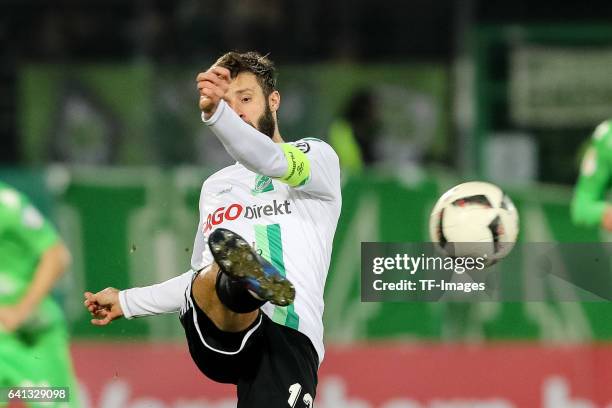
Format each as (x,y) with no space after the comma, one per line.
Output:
(99,125)
(101,128)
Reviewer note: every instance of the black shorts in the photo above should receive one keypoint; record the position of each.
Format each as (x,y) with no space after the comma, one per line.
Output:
(272,365)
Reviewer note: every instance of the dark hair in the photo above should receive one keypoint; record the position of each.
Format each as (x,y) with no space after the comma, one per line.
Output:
(259,65)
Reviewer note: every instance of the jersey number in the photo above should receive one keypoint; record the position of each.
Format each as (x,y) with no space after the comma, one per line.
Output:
(294,393)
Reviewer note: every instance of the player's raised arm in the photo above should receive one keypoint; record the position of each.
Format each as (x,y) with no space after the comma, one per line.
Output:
(589,207)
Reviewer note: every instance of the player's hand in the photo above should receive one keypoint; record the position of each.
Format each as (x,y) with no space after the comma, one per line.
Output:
(104,306)
(606,219)
(212,85)
(12,317)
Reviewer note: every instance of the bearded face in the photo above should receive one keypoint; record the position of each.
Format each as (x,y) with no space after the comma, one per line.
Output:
(266,123)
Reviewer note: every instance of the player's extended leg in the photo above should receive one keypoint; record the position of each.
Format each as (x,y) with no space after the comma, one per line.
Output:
(231,341)
(206,297)
(232,289)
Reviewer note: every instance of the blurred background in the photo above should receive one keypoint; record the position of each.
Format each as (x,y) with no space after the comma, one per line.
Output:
(100,127)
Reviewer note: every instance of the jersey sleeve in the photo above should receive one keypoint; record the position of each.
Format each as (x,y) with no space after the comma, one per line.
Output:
(589,202)
(247,145)
(309,164)
(161,298)
(323,168)
(22,219)
(169,296)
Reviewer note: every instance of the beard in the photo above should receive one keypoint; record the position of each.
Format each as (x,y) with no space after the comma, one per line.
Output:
(266,123)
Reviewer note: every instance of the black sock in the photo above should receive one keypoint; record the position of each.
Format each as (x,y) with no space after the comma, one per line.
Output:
(235,296)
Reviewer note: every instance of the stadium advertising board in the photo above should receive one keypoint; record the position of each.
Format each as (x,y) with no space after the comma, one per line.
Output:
(131,375)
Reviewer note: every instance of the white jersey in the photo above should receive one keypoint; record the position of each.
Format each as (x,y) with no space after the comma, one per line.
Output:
(292,227)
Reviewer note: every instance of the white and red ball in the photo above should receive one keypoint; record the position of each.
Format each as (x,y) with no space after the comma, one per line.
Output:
(472,219)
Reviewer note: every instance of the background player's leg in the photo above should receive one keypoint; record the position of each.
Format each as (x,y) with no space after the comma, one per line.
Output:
(43,363)
(205,295)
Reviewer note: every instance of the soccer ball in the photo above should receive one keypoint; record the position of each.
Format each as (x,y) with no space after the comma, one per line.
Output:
(474,219)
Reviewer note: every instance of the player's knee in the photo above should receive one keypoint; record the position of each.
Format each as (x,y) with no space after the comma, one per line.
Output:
(205,280)
(204,293)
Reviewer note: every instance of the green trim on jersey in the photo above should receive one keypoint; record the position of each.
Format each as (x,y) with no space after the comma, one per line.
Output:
(268,240)
(298,166)
(263,184)
(589,202)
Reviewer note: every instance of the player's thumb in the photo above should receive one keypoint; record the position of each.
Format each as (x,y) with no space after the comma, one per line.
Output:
(108,317)
(102,322)
(205,102)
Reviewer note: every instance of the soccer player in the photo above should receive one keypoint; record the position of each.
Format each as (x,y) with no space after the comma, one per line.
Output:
(252,304)
(33,336)
(589,206)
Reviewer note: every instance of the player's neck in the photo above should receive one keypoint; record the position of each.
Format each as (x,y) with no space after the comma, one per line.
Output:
(277,137)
